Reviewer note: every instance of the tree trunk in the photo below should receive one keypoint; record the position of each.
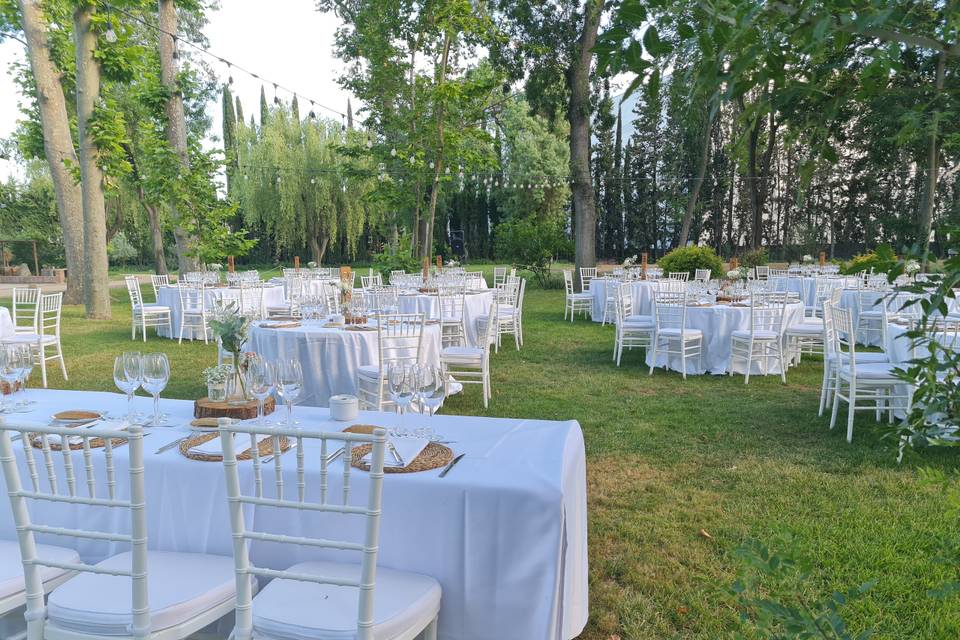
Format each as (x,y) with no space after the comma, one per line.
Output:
(318,249)
(698,181)
(156,236)
(96,277)
(578,114)
(438,161)
(57,145)
(176,126)
(933,163)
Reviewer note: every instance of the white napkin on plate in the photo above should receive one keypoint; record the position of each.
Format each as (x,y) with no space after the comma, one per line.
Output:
(213,448)
(407,448)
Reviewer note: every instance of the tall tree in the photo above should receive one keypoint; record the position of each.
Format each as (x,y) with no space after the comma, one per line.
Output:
(96,278)
(229,137)
(57,143)
(176,124)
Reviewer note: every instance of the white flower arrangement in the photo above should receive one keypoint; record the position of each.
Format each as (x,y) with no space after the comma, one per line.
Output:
(911,267)
(217,374)
(312,264)
(733,274)
(345,286)
(452,263)
(807,259)
(215,266)
(629,262)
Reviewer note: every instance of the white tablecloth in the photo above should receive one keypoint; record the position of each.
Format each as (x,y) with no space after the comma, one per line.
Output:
(6,323)
(311,286)
(806,286)
(330,357)
(643,293)
(505,533)
(170,297)
(477,304)
(718,322)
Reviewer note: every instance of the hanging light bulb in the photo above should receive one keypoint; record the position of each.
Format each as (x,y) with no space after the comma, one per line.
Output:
(412,159)
(110,35)
(313,181)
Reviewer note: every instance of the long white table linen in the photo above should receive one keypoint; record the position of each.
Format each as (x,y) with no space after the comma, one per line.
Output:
(643,294)
(806,286)
(477,304)
(505,533)
(170,297)
(718,322)
(330,357)
(6,323)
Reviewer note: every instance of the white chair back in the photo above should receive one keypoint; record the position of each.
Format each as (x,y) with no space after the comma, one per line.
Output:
(702,275)
(157,281)
(587,274)
(683,276)
(499,275)
(845,338)
(48,318)
(133,290)
(451,305)
(399,336)
(766,312)
(762,272)
(373,280)
(26,304)
(192,298)
(670,309)
(62,486)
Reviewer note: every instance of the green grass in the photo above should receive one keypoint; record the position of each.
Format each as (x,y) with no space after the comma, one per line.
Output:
(667,458)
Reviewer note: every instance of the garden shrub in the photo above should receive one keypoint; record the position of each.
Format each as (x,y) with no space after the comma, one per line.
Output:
(690,259)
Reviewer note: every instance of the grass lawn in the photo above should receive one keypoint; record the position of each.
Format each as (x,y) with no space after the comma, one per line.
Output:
(667,458)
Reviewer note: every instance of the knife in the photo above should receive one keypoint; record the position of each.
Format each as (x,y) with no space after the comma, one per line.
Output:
(169,446)
(449,466)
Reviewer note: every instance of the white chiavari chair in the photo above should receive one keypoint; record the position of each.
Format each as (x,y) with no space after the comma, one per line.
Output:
(610,294)
(587,274)
(293,289)
(320,598)
(475,280)
(372,280)
(506,317)
(763,342)
(471,365)
(399,340)
(451,305)
(330,292)
(671,336)
(777,273)
(396,277)
(194,314)
(682,276)
(499,276)
(142,594)
(251,299)
(632,331)
(157,281)
(47,335)
(702,275)
(863,385)
(26,307)
(582,302)
(519,313)
(145,315)
(762,272)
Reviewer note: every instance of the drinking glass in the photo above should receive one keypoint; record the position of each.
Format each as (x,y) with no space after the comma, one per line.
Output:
(289,381)
(156,374)
(260,378)
(9,371)
(128,375)
(24,368)
(431,390)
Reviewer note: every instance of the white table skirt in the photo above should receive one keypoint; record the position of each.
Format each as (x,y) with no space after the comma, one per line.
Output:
(477,304)
(170,297)
(806,286)
(311,286)
(6,323)
(330,357)
(718,322)
(643,293)
(505,533)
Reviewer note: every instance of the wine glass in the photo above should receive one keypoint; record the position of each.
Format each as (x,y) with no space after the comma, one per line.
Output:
(127,375)
(260,378)
(156,374)
(24,368)
(431,390)
(289,381)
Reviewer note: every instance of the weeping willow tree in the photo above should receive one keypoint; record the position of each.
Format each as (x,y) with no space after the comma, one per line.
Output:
(299,190)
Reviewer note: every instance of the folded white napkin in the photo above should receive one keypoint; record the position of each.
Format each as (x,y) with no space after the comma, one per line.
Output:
(407,448)
(213,448)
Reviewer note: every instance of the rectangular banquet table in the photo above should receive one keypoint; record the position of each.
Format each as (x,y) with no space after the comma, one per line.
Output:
(505,532)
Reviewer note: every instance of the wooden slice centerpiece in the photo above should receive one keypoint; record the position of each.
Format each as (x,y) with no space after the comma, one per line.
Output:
(206,408)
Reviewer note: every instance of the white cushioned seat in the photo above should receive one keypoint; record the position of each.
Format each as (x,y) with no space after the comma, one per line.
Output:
(294,610)
(872,313)
(31,338)
(371,371)
(866,357)
(582,296)
(150,306)
(181,586)
(870,371)
(674,331)
(461,354)
(639,320)
(11,566)
(807,328)
(759,334)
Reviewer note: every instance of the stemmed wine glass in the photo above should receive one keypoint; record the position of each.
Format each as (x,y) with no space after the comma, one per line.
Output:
(289,381)
(9,372)
(260,378)
(402,383)
(128,376)
(431,390)
(156,374)
(24,368)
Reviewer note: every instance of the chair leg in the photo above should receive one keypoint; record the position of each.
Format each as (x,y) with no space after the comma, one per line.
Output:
(63,365)
(430,633)
(749,360)
(851,409)
(43,367)
(653,360)
(143,326)
(823,389)
(133,328)
(836,403)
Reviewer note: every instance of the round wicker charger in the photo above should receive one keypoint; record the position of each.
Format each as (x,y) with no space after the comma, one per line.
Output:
(54,443)
(265,447)
(433,456)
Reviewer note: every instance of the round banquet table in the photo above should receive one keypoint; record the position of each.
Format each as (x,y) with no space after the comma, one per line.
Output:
(477,304)
(311,286)
(6,323)
(718,322)
(805,286)
(330,356)
(643,292)
(170,297)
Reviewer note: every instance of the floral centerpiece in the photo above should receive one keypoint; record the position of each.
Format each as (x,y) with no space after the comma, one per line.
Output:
(346,300)
(214,266)
(452,263)
(312,264)
(216,379)
(230,328)
(807,259)
(630,262)
(911,267)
